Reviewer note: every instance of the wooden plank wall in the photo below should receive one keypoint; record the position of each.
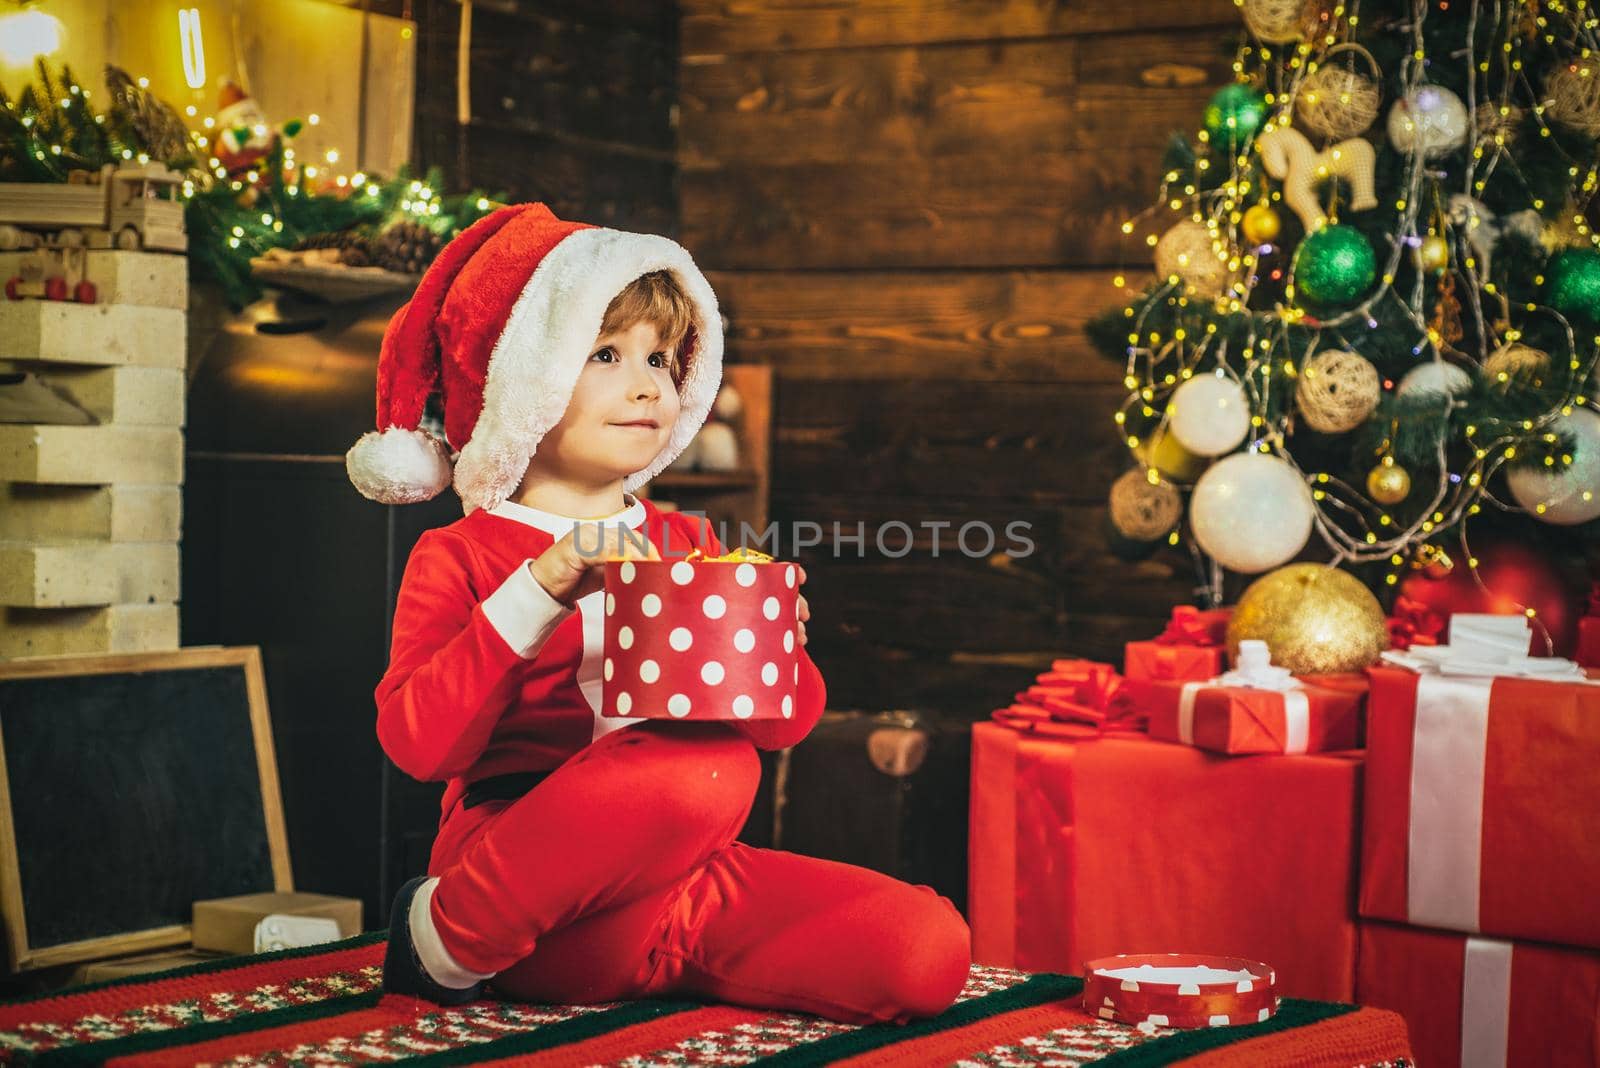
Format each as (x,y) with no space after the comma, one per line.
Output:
(910,208)
(572,103)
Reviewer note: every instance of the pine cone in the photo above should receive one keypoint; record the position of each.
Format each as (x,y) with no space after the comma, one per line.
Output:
(408,247)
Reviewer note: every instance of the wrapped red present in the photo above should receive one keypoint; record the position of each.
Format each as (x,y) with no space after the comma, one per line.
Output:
(1480,1001)
(701,638)
(1191,647)
(1082,848)
(1480,805)
(1240,720)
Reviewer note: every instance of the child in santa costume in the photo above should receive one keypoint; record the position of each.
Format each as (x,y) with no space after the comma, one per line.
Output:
(582,859)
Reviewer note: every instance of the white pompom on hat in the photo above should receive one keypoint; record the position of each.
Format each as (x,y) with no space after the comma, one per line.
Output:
(501,325)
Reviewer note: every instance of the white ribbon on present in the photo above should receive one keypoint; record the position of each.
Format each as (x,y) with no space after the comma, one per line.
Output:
(1255,672)
(1449,742)
(1485,1003)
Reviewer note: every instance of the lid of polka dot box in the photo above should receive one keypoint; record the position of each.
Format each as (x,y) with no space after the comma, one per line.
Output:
(701,638)
(1179,990)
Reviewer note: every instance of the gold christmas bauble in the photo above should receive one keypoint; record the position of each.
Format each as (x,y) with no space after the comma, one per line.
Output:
(1433,254)
(1163,452)
(1260,225)
(1513,363)
(1388,483)
(1144,510)
(1314,619)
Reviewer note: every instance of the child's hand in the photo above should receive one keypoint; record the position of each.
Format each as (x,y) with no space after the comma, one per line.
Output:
(805,609)
(569,576)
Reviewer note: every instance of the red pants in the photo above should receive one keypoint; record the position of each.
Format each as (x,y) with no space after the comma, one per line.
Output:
(618,877)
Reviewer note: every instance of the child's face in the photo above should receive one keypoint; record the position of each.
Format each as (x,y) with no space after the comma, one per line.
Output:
(626,380)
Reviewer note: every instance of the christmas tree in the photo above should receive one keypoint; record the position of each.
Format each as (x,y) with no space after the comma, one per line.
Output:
(1376,306)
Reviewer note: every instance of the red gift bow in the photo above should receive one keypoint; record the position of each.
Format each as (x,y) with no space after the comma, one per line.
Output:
(1413,623)
(1190,626)
(1075,698)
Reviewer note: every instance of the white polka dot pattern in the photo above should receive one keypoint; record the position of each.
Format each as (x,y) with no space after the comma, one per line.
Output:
(700,640)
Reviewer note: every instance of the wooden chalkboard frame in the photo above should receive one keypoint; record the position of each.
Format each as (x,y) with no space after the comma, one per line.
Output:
(12,907)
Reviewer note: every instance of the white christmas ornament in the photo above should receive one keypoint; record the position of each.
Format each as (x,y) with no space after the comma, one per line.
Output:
(1430,119)
(1434,377)
(1569,494)
(1251,512)
(1209,415)
(719,447)
(728,404)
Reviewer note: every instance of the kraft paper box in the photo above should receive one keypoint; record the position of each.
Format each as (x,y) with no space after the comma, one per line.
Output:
(228,924)
(1480,808)
(1239,720)
(1088,848)
(698,638)
(1470,1000)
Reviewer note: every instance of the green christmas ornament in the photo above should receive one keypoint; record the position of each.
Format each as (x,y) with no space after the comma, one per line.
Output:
(1334,266)
(1234,116)
(1572,284)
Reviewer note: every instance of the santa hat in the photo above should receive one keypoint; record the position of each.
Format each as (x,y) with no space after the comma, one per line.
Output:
(501,325)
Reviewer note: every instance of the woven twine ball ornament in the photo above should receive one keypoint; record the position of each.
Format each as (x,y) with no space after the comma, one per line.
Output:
(1188,251)
(1336,102)
(1497,128)
(1280,21)
(1517,362)
(1143,510)
(1573,98)
(1338,390)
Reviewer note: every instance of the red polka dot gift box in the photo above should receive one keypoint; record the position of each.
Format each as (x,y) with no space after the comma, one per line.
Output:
(701,638)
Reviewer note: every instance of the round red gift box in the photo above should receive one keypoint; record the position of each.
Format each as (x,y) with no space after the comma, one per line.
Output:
(700,639)
(1179,990)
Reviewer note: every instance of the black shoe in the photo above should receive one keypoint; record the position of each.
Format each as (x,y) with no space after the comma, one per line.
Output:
(403,972)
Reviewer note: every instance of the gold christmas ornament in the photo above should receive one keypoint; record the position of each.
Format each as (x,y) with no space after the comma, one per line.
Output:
(1513,363)
(1260,225)
(1335,102)
(1167,455)
(1573,98)
(1280,21)
(1388,483)
(1338,390)
(1289,157)
(1143,510)
(1314,618)
(1432,561)
(1433,254)
(1190,252)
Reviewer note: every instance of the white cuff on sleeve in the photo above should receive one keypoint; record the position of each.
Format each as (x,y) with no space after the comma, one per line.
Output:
(523,612)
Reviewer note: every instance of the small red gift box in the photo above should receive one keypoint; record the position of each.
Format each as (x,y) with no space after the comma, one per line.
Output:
(1470,1000)
(1083,848)
(1480,805)
(700,639)
(1237,719)
(1190,648)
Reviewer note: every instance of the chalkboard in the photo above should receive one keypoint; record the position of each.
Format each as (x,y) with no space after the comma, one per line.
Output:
(131,787)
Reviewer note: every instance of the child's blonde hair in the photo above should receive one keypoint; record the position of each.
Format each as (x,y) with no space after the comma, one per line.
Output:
(655,298)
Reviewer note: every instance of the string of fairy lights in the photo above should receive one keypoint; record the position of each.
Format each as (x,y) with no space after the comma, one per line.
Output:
(1354,527)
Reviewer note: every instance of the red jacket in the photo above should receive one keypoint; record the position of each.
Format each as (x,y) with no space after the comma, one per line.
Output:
(489,674)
